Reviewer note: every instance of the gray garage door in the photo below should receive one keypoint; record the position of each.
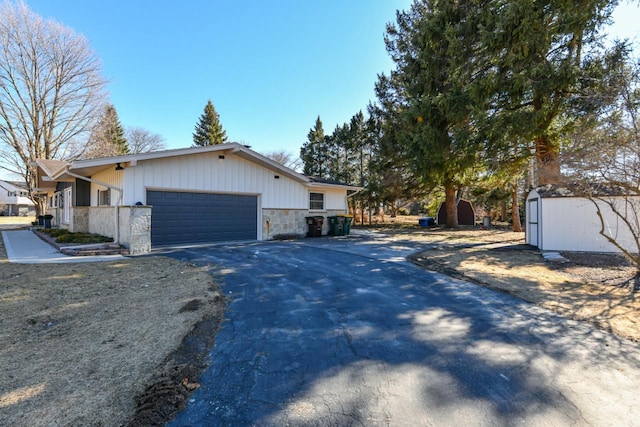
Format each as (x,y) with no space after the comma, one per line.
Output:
(179,217)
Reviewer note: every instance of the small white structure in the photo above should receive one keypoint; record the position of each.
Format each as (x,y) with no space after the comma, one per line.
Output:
(14,201)
(557,219)
(186,196)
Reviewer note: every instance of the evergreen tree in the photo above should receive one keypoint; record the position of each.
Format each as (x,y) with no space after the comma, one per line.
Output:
(314,152)
(432,92)
(537,51)
(393,181)
(208,130)
(107,137)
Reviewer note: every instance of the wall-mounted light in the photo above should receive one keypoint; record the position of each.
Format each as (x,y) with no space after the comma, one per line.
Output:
(221,157)
(119,167)
(276,176)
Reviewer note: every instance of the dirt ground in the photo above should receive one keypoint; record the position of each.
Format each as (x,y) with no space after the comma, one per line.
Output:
(109,343)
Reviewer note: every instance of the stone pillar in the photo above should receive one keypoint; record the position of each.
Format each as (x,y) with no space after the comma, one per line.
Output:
(135,229)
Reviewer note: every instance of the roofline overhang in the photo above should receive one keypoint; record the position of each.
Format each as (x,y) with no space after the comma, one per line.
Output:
(336,186)
(235,148)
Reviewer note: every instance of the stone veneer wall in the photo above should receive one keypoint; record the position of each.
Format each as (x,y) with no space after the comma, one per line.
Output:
(101,220)
(289,222)
(135,226)
(79,219)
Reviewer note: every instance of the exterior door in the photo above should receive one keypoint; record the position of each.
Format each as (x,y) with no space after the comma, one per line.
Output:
(532,219)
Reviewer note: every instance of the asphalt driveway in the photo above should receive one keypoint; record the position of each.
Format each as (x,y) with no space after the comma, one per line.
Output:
(344,331)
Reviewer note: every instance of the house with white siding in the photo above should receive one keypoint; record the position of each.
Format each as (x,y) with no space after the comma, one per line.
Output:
(14,200)
(186,196)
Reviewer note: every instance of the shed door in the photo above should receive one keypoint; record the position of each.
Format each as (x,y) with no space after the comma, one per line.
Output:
(533,222)
(188,217)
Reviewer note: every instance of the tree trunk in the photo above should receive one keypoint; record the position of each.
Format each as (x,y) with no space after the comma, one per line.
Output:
(515,209)
(40,203)
(451,207)
(547,162)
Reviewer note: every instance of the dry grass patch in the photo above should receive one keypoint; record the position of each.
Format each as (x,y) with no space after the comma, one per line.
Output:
(575,290)
(79,341)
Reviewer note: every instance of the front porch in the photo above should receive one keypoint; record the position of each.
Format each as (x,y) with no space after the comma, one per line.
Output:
(134,224)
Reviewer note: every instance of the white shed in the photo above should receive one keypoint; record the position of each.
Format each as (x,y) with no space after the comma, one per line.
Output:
(558,219)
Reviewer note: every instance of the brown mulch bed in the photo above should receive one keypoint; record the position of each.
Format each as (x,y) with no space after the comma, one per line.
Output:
(605,269)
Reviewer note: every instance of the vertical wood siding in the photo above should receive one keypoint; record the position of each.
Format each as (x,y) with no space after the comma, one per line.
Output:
(207,173)
(109,176)
(571,224)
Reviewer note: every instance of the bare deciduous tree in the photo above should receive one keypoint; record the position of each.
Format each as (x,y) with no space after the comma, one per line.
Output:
(51,91)
(604,158)
(285,158)
(141,140)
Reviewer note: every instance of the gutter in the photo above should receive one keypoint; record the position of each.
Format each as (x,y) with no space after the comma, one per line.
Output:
(351,195)
(355,192)
(116,236)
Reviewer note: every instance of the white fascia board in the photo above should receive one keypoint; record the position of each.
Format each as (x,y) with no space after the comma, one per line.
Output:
(134,158)
(339,186)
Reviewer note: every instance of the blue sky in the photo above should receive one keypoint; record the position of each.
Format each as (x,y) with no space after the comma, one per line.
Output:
(269,66)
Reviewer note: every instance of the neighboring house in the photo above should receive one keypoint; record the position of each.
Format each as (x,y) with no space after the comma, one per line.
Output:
(14,200)
(193,195)
(559,219)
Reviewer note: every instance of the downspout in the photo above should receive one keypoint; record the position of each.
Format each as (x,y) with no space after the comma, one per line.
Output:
(347,200)
(116,236)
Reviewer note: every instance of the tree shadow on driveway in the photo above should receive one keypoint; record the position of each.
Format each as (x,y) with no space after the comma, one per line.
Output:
(344,332)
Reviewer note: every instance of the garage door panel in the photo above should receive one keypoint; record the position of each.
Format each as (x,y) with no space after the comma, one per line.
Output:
(179,217)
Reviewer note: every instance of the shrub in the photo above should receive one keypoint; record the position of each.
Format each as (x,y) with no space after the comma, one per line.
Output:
(55,232)
(82,238)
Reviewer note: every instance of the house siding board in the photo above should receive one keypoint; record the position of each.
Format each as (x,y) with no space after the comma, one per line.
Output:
(188,217)
(111,177)
(206,173)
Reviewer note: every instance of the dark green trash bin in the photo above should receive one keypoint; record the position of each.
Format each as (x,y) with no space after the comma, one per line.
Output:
(336,226)
(347,225)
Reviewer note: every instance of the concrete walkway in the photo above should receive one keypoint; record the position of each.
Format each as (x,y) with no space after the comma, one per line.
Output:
(24,247)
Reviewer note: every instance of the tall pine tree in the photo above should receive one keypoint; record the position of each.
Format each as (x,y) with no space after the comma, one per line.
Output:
(107,137)
(434,47)
(537,49)
(314,152)
(208,130)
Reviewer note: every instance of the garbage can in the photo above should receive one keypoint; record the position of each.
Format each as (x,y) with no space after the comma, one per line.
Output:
(315,226)
(347,225)
(486,222)
(336,226)
(428,221)
(47,221)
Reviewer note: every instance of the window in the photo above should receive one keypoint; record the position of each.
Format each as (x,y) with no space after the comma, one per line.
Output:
(316,201)
(104,197)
